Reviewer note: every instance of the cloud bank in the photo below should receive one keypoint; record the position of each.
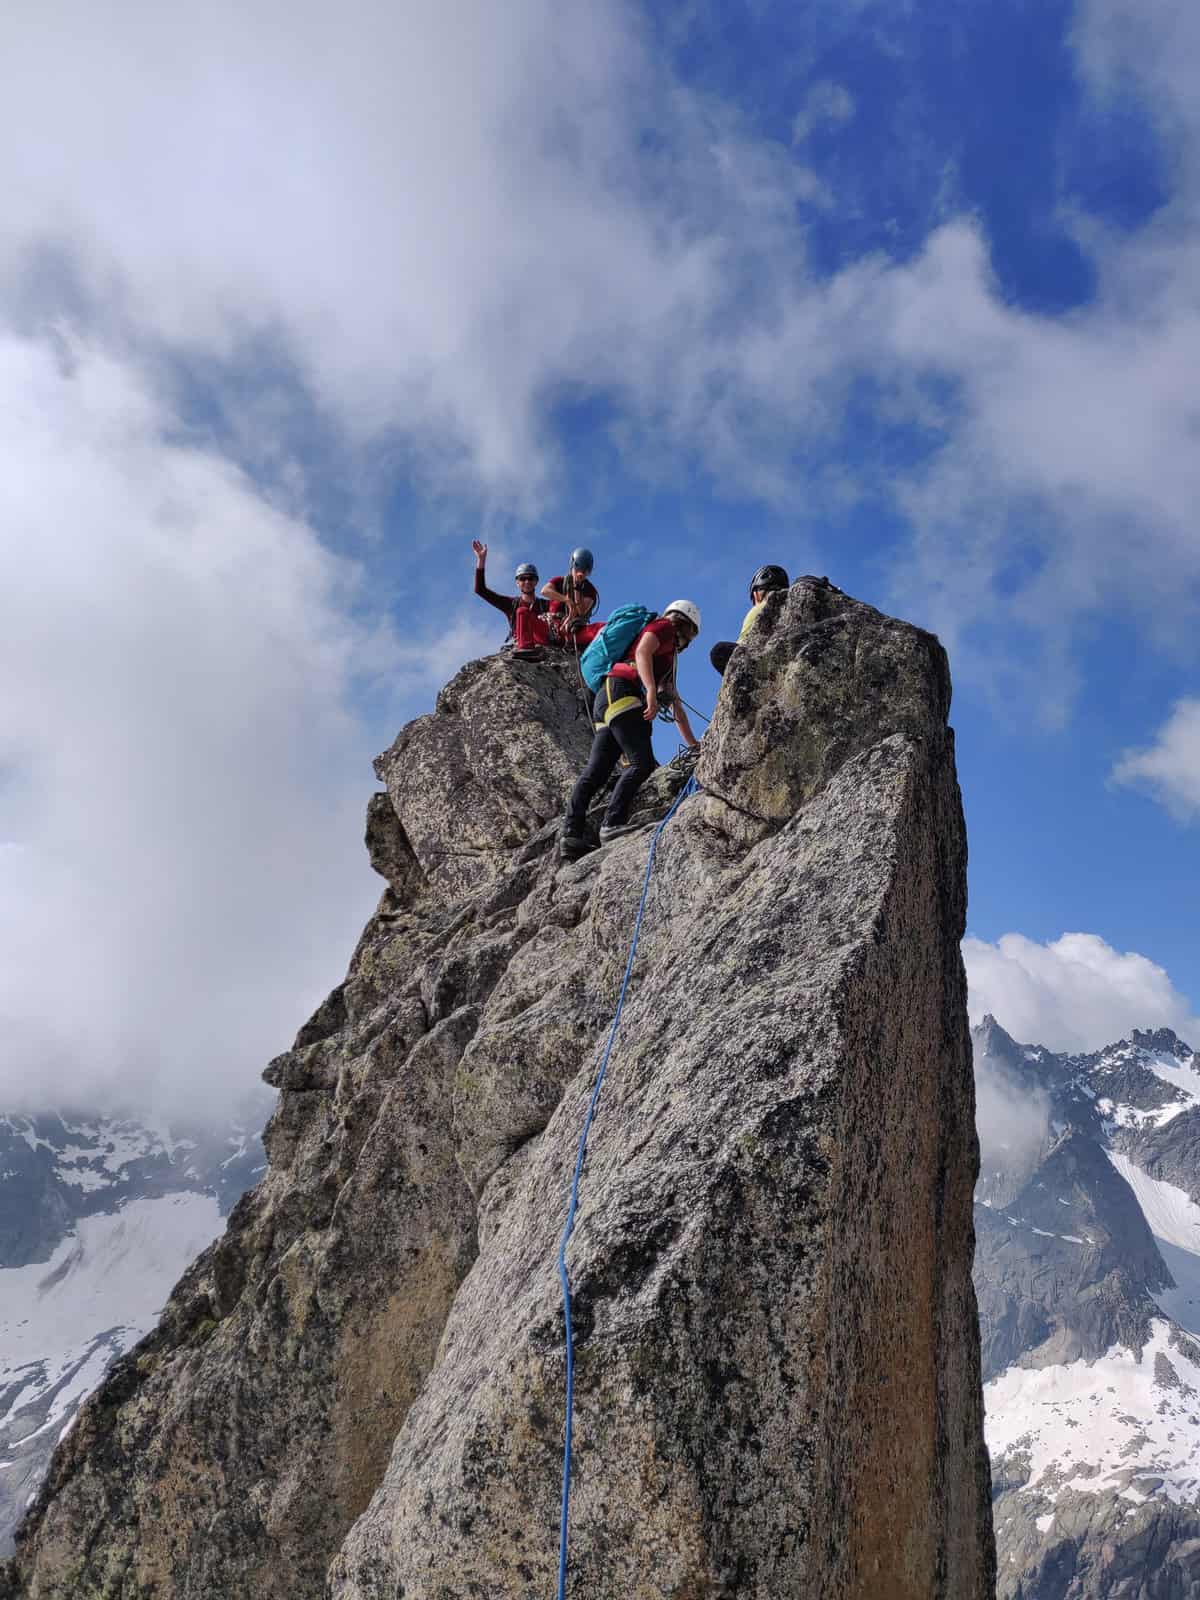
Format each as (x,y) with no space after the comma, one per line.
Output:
(181,785)
(1075,993)
(442,215)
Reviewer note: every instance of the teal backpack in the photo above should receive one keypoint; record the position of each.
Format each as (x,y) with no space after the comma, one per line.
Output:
(612,643)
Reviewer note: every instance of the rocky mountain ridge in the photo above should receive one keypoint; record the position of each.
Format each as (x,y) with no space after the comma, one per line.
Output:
(1088,1276)
(358,1390)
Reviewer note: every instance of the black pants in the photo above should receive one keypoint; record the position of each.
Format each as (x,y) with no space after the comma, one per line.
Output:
(720,653)
(625,735)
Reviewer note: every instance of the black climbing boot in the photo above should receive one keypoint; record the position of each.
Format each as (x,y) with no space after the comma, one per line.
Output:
(573,842)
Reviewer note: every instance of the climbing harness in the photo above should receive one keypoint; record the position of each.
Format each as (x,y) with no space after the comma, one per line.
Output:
(619,706)
(689,787)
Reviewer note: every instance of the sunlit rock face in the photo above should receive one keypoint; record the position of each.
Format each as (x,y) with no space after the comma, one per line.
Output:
(359,1390)
(1088,1275)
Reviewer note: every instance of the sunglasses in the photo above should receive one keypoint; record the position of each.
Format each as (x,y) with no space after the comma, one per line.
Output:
(527,579)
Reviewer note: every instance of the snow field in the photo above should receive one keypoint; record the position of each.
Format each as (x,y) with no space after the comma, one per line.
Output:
(1169,1213)
(63,1321)
(1111,1423)
(1179,1074)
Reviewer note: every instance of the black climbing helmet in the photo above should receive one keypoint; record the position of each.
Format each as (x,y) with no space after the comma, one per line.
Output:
(582,560)
(526,570)
(770,577)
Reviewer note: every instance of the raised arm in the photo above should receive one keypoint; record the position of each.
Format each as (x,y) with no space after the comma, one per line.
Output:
(502,602)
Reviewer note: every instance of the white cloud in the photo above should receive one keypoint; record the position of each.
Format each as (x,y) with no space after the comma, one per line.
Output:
(430,663)
(1149,47)
(443,214)
(825,101)
(1075,993)
(1170,767)
(1068,479)
(1012,1117)
(181,784)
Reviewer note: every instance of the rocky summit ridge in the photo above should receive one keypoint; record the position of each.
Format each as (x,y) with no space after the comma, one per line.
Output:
(358,1391)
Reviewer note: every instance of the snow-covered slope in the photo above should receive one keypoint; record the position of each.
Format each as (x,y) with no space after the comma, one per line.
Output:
(1088,1274)
(98,1219)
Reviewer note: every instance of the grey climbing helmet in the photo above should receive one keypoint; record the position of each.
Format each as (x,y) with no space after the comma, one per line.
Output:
(526,570)
(582,560)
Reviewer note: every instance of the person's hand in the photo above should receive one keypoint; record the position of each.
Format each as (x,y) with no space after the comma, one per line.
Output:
(651,710)
(480,552)
(693,743)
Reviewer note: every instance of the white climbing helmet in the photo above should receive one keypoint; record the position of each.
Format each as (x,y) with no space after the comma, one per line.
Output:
(686,609)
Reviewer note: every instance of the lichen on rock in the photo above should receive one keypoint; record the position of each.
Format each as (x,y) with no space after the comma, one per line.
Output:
(777,1379)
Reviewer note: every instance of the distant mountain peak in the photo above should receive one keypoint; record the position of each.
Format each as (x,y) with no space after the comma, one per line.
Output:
(990,1039)
(1164,1040)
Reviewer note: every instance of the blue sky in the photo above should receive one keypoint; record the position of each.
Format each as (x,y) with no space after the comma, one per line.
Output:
(293,304)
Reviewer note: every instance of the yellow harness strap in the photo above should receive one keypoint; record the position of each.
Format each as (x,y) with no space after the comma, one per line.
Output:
(614,708)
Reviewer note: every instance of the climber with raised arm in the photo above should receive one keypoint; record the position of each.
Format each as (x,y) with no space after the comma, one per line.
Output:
(524,609)
(764,582)
(623,713)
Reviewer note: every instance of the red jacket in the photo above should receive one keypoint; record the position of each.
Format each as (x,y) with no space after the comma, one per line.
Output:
(663,629)
(507,603)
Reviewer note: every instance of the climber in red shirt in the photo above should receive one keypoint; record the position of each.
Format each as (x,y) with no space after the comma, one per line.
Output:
(524,610)
(623,714)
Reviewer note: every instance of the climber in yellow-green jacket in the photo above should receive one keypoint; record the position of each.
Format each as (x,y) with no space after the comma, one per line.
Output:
(764,582)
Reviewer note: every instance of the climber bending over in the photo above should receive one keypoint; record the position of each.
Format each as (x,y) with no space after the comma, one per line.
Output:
(623,714)
(764,582)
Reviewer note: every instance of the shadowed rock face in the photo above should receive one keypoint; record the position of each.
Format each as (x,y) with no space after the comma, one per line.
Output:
(777,1380)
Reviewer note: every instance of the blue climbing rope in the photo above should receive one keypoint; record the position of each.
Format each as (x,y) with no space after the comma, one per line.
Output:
(689,787)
